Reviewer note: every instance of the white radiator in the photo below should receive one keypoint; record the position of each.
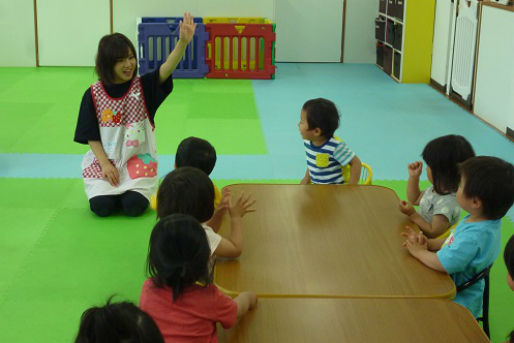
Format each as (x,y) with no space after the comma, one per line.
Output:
(464,48)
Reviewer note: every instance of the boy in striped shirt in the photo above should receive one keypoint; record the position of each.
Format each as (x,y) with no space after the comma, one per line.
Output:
(326,153)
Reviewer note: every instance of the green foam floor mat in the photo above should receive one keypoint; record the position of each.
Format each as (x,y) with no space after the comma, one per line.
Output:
(42,105)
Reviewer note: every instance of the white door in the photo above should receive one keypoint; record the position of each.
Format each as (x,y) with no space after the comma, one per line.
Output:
(309,31)
(69,31)
(441,45)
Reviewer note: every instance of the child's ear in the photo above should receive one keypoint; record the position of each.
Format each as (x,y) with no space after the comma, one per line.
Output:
(476,203)
(317,132)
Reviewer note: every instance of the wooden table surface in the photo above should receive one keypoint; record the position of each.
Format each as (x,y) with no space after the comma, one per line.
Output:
(327,241)
(355,320)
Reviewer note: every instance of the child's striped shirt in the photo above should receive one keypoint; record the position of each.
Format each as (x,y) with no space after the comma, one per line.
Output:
(325,162)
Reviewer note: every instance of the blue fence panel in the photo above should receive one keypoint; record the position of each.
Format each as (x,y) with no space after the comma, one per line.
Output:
(157,38)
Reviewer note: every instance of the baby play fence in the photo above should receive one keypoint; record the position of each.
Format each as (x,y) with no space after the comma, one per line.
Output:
(157,37)
(221,47)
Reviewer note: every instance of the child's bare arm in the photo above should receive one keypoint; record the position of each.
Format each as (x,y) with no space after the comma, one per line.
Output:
(245,301)
(216,219)
(419,249)
(355,171)
(233,245)
(434,244)
(413,192)
(437,227)
(306,179)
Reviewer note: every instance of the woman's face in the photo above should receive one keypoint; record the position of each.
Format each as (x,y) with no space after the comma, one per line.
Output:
(124,68)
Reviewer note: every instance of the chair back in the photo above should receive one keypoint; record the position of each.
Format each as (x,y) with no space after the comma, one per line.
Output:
(484,274)
(366,174)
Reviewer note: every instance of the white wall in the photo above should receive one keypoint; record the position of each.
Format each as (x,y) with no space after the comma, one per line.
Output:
(359,43)
(17,40)
(308,31)
(126,11)
(494,93)
(69,31)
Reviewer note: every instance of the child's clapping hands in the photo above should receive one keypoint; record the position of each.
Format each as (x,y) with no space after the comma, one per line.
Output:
(414,241)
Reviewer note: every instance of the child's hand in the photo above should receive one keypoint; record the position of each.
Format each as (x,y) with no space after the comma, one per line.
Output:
(415,168)
(187,28)
(242,206)
(416,237)
(406,208)
(416,245)
(226,195)
(305,181)
(110,173)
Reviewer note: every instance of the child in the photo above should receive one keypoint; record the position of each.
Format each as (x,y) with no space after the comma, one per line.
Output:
(189,190)
(326,154)
(486,192)
(438,207)
(116,119)
(117,323)
(179,294)
(198,153)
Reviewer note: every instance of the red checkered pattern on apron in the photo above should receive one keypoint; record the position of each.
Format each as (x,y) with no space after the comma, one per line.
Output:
(113,112)
(94,171)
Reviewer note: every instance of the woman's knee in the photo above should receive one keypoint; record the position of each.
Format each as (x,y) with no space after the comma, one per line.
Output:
(103,205)
(133,203)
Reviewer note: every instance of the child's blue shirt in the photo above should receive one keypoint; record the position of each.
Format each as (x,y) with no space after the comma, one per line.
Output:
(471,248)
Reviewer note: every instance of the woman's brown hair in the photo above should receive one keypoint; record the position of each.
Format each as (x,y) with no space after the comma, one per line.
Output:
(110,49)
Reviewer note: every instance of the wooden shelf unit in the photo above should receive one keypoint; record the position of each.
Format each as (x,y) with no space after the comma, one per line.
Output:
(405,33)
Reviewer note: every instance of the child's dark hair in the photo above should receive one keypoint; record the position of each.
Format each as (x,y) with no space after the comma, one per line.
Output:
(110,49)
(322,113)
(196,152)
(491,180)
(443,156)
(178,255)
(186,190)
(508,256)
(116,323)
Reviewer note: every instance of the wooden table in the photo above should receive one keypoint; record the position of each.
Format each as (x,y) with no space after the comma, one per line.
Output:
(355,320)
(327,241)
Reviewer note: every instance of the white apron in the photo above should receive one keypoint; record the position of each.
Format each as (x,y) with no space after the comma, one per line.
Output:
(128,139)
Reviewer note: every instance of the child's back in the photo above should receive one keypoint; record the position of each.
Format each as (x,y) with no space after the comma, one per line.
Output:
(189,190)
(191,317)
(179,295)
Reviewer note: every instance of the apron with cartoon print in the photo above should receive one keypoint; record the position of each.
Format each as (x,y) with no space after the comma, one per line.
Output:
(128,139)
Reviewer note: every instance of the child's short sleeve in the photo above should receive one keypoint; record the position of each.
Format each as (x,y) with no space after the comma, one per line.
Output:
(226,309)
(448,207)
(457,256)
(213,238)
(343,154)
